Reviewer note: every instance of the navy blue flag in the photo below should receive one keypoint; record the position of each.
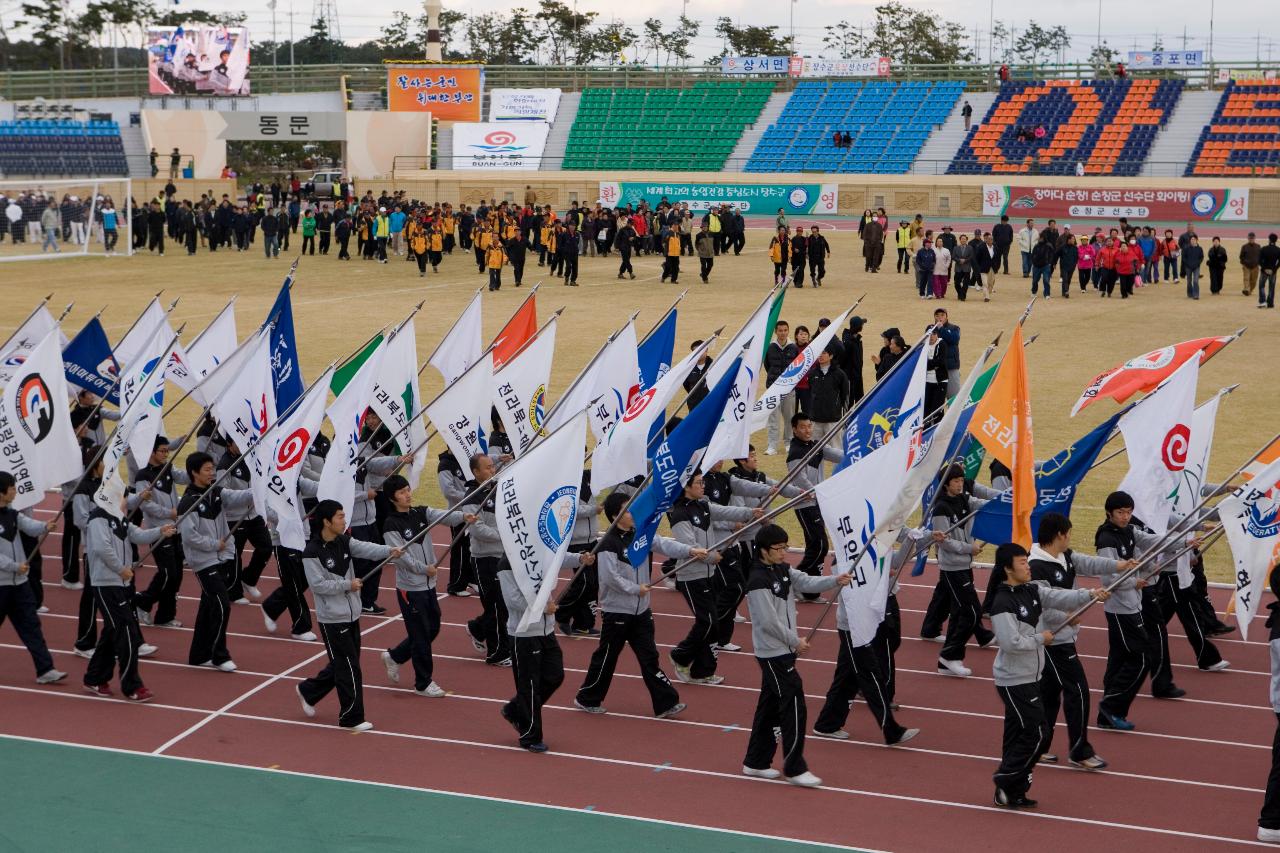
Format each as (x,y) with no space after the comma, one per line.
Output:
(284,350)
(656,352)
(1056,482)
(671,458)
(89,364)
(878,412)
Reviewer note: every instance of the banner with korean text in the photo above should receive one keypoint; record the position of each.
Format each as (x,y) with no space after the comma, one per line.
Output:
(448,92)
(1173,205)
(523,104)
(748,198)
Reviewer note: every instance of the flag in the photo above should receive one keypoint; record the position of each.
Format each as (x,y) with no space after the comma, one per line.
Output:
(37,442)
(608,381)
(1147,371)
(210,348)
(285,369)
(520,389)
(395,396)
(656,352)
(1003,418)
(32,331)
(1057,481)
(791,377)
(670,463)
(348,369)
(462,346)
(1250,518)
(734,428)
(346,413)
(878,413)
(625,448)
(461,411)
(538,494)
(289,446)
(1203,420)
(138,339)
(754,336)
(853,503)
(142,404)
(522,326)
(1157,437)
(967,446)
(89,364)
(247,409)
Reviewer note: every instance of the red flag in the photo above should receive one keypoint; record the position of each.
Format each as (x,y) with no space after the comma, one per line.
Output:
(1146,371)
(522,326)
(1001,423)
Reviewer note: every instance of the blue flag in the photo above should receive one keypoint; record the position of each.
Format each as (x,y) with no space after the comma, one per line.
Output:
(878,412)
(656,352)
(671,458)
(1056,482)
(284,350)
(89,364)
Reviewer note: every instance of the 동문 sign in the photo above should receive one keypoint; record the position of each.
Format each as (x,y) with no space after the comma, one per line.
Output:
(448,92)
(498,146)
(747,198)
(864,67)
(755,65)
(284,127)
(1166,58)
(1021,201)
(523,104)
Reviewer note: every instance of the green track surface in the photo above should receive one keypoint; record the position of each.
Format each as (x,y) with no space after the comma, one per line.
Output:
(67,798)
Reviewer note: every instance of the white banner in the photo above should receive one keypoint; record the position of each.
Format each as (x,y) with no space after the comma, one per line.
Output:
(523,105)
(396,398)
(520,390)
(461,346)
(214,346)
(247,411)
(755,65)
(1157,439)
(32,332)
(461,412)
(608,381)
(289,446)
(864,67)
(797,370)
(1250,517)
(495,147)
(338,477)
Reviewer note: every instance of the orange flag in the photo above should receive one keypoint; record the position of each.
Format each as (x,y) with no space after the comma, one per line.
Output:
(522,326)
(1002,424)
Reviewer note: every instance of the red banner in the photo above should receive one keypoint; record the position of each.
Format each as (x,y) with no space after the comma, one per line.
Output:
(1172,205)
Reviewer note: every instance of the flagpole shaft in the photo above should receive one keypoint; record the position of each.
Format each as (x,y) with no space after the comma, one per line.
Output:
(665,315)
(590,364)
(65,312)
(34,312)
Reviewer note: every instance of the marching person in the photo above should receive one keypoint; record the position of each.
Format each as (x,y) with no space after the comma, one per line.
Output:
(575,615)
(16,600)
(249,529)
(453,486)
(771,587)
(415,582)
(1064,683)
(488,631)
(290,595)
(956,550)
(155,485)
(819,250)
(807,511)
(1016,614)
(109,559)
(330,567)
(626,618)
(375,466)
(1269,820)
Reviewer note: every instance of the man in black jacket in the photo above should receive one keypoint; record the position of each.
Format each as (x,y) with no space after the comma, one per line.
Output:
(851,364)
(828,393)
(1268,264)
(1002,239)
(777,356)
(819,250)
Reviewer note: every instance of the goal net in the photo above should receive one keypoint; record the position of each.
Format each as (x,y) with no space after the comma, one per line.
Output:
(45,219)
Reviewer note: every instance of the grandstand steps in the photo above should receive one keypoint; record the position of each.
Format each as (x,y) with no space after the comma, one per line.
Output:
(444,145)
(752,135)
(135,151)
(558,135)
(945,141)
(368,101)
(1174,145)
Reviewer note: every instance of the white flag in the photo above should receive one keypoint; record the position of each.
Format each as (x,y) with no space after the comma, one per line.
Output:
(1157,438)
(624,453)
(461,412)
(462,345)
(1250,517)
(395,396)
(1197,469)
(791,377)
(338,478)
(246,409)
(732,438)
(138,339)
(141,405)
(607,380)
(538,494)
(520,389)
(854,503)
(289,446)
(37,442)
(213,346)
(36,328)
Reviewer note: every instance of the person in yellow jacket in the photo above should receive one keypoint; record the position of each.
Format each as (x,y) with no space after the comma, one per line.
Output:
(902,239)
(436,247)
(546,241)
(480,242)
(779,250)
(419,244)
(671,267)
(382,233)
(448,229)
(494,258)
(549,244)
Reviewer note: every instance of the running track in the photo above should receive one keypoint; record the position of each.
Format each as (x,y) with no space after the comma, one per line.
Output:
(1190,778)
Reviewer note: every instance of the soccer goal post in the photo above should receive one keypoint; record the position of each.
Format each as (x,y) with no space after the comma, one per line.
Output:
(46,219)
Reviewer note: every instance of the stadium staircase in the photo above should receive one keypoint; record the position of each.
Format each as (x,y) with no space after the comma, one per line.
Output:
(1174,145)
(558,135)
(444,145)
(946,140)
(135,152)
(1243,136)
(688,130)
(754,132)
(888,124)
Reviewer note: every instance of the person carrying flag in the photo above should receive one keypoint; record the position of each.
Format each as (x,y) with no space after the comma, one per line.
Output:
(155,485)
(16,600)
(799,453)
(250,529)
(488,631)
(956,550)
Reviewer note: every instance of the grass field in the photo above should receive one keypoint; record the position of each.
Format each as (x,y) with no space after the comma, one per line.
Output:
(338,305)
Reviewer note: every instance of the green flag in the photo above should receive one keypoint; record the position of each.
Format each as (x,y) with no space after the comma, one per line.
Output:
(346,372)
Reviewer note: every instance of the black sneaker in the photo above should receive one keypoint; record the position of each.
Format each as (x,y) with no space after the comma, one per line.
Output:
(1005,800)
(535,747)
(1174,692)
(374,609)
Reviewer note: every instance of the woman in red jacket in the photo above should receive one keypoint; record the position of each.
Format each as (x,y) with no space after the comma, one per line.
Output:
(1128,260)
(1167,249)
(1107,263)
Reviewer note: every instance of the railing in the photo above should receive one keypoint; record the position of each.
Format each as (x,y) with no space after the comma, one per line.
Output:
(270,79)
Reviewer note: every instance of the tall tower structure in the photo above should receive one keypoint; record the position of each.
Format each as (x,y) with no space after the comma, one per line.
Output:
(433,31)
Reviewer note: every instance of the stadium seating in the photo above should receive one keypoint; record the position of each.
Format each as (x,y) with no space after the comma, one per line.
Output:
(888,123)
(691,129)
(1108,125)
(1244,136)
(61,148)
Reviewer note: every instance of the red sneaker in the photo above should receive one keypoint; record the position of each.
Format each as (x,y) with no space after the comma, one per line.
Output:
(103,690)
(142,694)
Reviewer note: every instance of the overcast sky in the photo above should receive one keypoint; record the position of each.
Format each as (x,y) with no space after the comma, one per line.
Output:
(1125,26)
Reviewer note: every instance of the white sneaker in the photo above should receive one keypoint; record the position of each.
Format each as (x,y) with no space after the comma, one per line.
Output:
(269,622)
(838,734)
(146,650)
(50,677)
(727,647)
(771,451)
(362,727)
(393,668)
(1219,667)
(253,591)
(805,780)
(906,736)
(306,636)
(953,667)
(172,623)
(940,639)
(711,680)
(1269,835)
(144,618)
(242,601)
(739,618)
(308,710)
(682,672)
(69,585)
(228,666)
(42,609)
(82,653)
(767,773)
(435,691)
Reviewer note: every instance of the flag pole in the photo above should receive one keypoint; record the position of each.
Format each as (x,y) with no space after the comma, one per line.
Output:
(65,312)
(119,375)
(479,290)
(665,315)
(230,359)
(582,373)
(34,312)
